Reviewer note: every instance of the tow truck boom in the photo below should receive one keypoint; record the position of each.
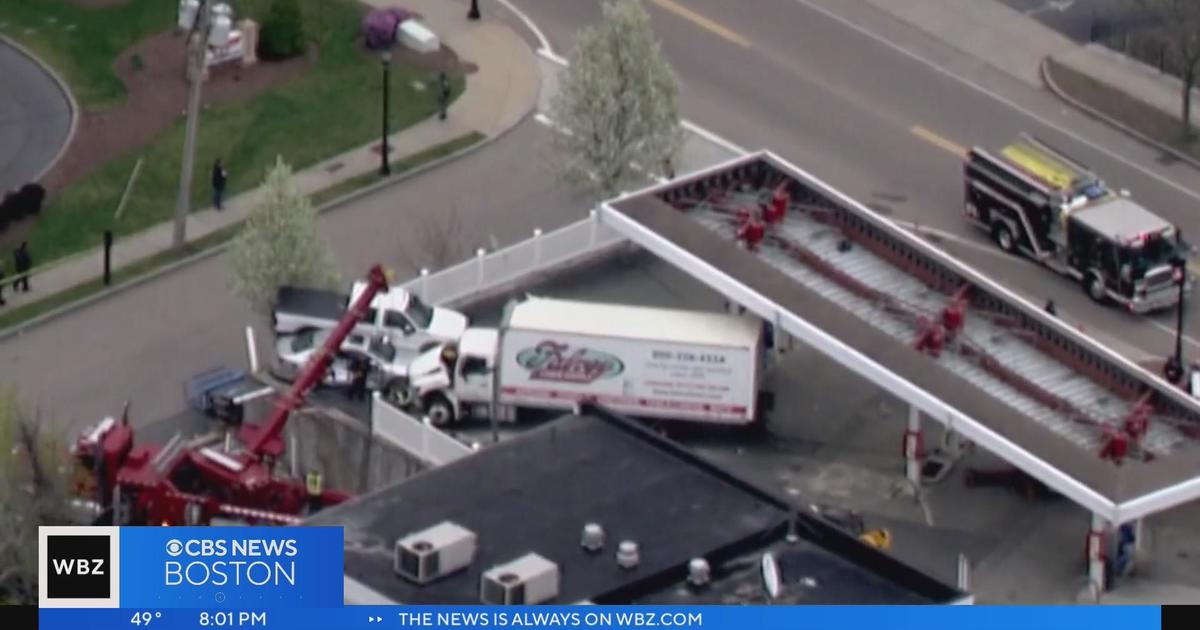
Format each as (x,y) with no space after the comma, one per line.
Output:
(264,440)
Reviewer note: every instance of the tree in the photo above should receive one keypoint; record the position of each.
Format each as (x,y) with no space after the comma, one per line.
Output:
(282,31)
(619,103)
(279,244)
(34,492)
(438,240)
(1179,23)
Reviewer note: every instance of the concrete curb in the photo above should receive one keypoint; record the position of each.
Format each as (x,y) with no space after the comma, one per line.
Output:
(154,274)
(1048,79)
(62,86)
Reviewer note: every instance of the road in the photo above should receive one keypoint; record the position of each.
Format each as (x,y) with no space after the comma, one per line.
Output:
(144,343)
(883,111)
(35,118)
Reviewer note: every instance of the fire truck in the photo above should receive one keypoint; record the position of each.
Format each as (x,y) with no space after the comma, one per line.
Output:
(1036,201)
(181,483)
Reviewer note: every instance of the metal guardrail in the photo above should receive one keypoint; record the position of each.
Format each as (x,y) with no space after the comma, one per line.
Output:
(511,264)
(417,437)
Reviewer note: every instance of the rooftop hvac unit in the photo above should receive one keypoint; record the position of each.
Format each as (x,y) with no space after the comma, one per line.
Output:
(528,580)
(427,555)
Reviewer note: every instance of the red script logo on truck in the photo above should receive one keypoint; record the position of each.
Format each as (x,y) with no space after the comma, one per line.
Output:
(551,361)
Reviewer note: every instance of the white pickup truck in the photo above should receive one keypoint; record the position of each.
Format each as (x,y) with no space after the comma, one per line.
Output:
(554,354)
(401,316)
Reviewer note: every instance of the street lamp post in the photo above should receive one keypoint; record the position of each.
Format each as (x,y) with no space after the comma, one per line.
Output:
(385,168)
(473,14)
(1174,368)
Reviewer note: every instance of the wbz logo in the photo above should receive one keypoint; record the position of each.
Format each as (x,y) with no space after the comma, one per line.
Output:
(77,565)
(63,562)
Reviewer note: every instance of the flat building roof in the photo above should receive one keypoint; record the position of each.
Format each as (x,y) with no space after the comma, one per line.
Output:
(535,493)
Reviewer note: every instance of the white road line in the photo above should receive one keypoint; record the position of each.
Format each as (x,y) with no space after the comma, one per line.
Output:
(537,32)
(982,90)
(1171,331)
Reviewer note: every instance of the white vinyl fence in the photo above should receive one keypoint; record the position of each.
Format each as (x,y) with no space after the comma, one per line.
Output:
(488,270)
(413,435)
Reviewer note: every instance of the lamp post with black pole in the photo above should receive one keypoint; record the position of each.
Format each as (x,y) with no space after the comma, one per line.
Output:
(1174,368)
(385,168)
(473,14)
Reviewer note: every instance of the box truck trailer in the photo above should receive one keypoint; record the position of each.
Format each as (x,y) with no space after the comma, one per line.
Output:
(551,354)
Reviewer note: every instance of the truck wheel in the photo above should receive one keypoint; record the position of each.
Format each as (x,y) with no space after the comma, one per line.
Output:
(440,411)
(1094,285)
(1004,237)
(398,393)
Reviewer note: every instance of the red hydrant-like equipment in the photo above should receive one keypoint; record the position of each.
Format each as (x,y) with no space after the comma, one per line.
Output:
(931,337)
(955,314)
(159,485)
(775,211)
(751,230)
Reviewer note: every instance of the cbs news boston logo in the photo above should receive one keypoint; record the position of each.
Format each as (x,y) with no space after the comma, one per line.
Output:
(188,567)
(78,567)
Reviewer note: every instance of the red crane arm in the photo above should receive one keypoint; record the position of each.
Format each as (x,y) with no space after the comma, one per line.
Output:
(286,403)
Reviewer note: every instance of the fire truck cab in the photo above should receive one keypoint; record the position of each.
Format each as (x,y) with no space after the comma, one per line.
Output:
(1037,202)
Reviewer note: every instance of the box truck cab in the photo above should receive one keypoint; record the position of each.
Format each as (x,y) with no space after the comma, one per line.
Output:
(553,354)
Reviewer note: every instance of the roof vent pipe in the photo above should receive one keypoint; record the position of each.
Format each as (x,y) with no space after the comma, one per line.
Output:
(699,573)
(592,540)
(627,554)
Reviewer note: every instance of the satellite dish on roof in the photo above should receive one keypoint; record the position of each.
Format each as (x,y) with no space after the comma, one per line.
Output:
(770,575)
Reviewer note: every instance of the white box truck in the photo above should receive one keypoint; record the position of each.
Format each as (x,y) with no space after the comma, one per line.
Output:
(553,354)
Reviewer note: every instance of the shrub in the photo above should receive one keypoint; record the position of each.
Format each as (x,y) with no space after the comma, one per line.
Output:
(282,33)
(7,210)
(31,197)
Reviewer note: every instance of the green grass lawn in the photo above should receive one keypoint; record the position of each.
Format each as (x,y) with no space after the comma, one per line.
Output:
(333,107)
(12,317)
(84,54)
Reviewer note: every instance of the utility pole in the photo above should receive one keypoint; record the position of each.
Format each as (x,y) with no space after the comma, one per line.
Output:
(198,47)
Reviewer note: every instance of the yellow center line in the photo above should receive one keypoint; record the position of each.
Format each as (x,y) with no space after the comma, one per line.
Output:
(703,22)
(938,141)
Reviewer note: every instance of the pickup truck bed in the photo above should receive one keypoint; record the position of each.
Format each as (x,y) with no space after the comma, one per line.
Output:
(312,302)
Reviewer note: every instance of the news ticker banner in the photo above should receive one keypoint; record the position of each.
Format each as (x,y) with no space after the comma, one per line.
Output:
(189,567)
(616,617)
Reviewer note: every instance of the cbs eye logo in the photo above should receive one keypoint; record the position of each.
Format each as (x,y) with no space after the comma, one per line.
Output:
(174,548)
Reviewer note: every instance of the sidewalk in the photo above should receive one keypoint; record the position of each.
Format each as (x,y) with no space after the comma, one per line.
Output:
(497,97)
(1018,45)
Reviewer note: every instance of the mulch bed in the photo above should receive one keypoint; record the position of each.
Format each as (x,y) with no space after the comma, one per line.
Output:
(157,98)
(157,92)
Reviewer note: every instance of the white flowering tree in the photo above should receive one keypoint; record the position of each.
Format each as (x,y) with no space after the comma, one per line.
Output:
(279,244)
(618,102)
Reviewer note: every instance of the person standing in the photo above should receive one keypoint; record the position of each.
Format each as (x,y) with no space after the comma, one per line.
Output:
(23,262)
(358,379)
(219,176)
(2,302)
(443,95)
